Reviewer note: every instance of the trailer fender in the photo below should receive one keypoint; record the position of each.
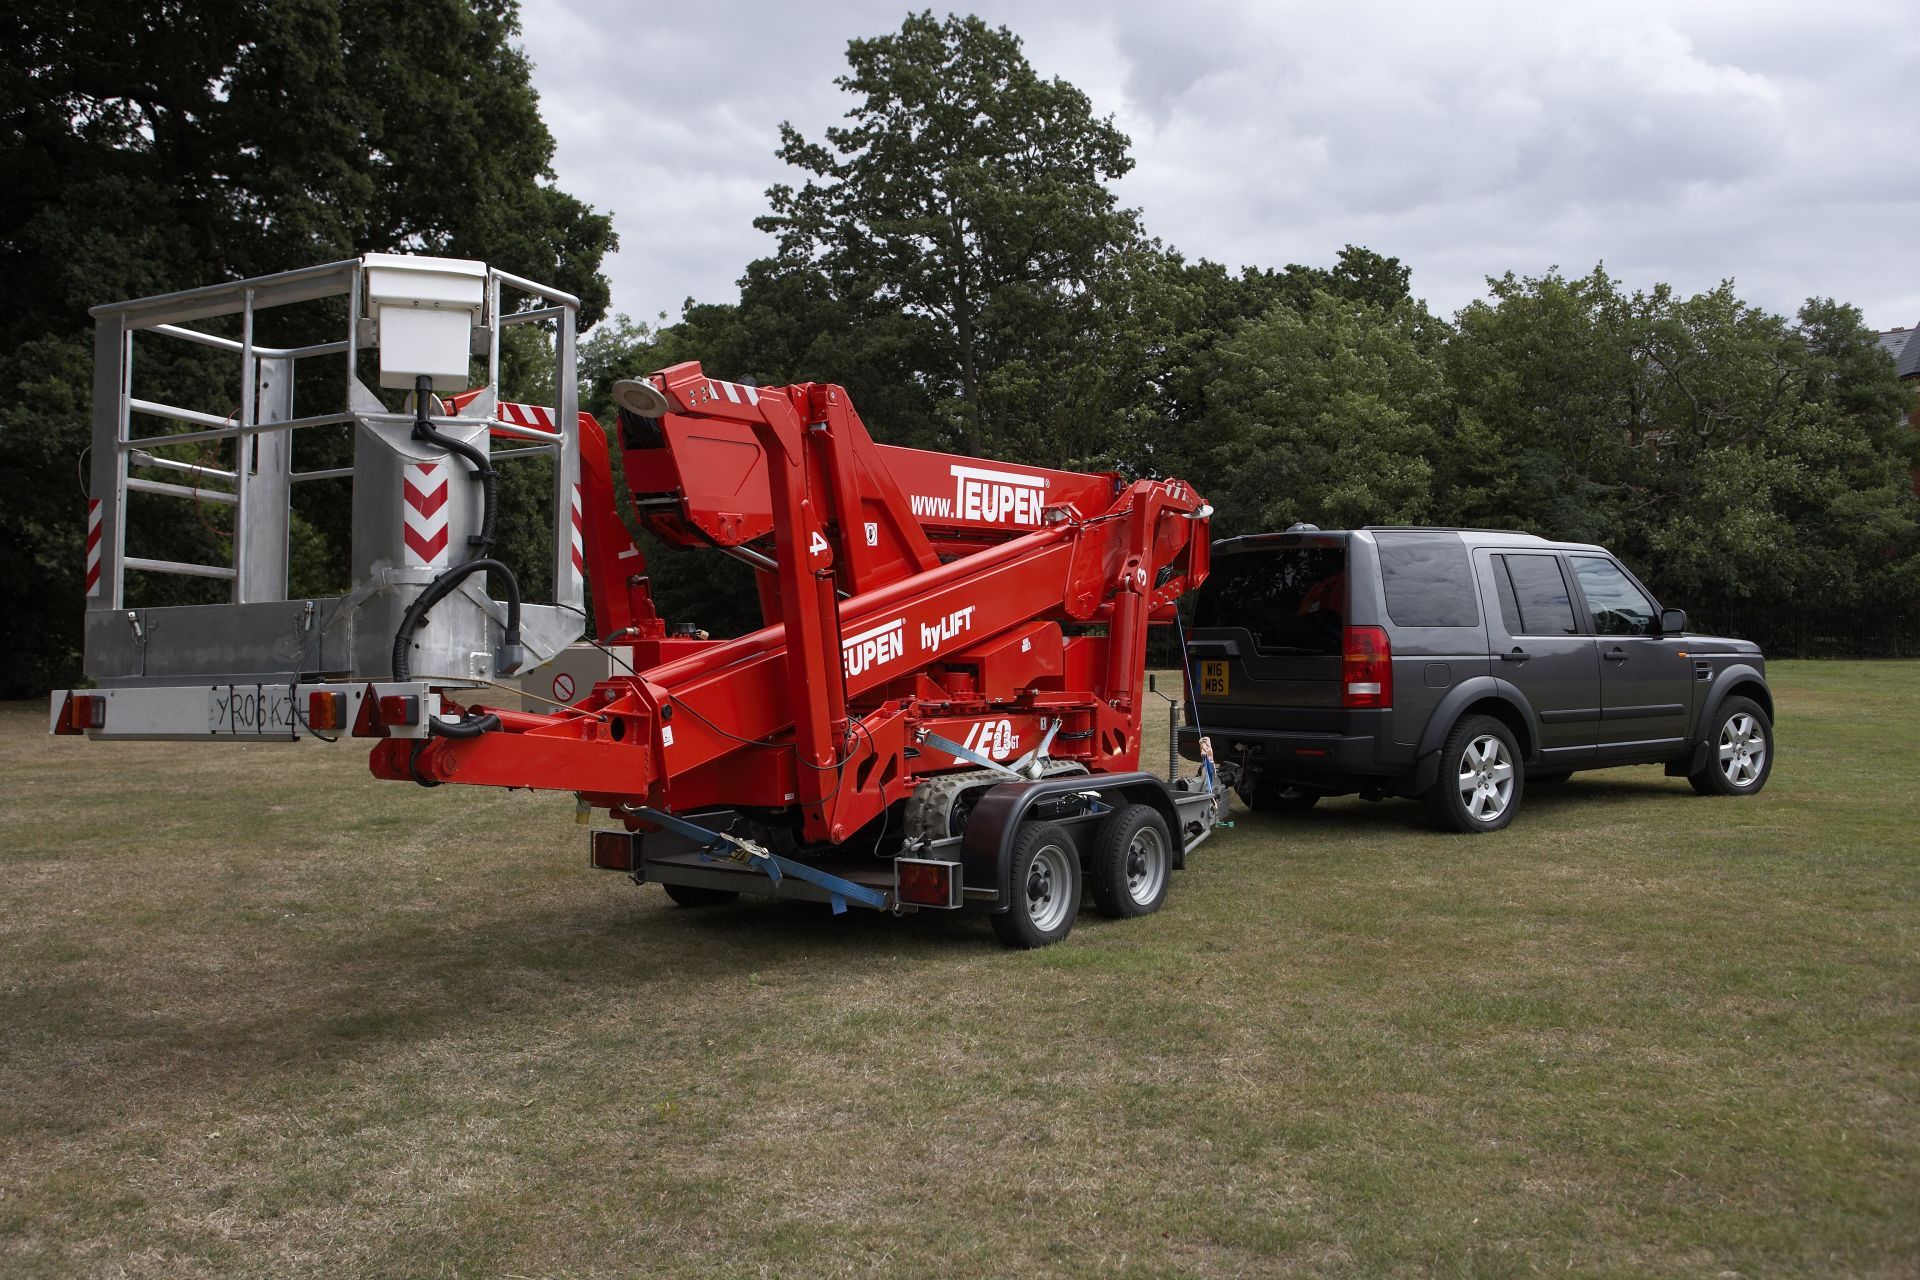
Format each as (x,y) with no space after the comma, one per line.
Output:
(987,847)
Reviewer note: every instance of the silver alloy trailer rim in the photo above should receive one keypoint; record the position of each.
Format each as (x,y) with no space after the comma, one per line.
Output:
(1049,881)
(1486,778)
(1743,749)
(1146,866)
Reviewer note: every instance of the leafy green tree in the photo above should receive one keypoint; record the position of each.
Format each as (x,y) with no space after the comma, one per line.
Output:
(1329,414)
(967,194)
(156,146)
(1739,458)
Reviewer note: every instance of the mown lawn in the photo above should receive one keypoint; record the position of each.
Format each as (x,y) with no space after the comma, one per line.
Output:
(261,1015)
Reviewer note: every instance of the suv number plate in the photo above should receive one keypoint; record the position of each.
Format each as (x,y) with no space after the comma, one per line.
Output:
(251,710)
(1213,678)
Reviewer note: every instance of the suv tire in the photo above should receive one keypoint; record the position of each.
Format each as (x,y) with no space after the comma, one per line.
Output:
(1739,751)
(1480,780)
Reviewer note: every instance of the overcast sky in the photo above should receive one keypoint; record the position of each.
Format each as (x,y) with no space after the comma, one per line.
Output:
(1683,142)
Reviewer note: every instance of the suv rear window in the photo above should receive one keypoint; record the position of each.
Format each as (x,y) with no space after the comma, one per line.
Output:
(1428,580)
(1293,599)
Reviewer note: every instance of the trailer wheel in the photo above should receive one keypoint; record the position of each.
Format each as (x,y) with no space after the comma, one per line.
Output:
(694,895)
(1132,862)
(1043,881)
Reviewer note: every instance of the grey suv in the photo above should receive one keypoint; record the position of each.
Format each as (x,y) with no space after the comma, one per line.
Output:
(1458,667)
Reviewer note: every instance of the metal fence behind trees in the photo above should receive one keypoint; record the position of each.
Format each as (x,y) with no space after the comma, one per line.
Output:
(1814,631)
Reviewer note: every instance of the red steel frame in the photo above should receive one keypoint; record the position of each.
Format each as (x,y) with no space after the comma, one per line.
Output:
(907,592)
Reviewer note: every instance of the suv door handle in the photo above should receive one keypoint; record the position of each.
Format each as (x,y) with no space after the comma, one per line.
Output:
(1516,655)
(1615,654)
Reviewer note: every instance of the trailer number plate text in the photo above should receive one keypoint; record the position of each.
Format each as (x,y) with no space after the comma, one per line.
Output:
(251,710)
(1213,679)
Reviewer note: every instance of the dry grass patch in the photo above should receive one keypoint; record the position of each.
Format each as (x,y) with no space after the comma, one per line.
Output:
(263,1015)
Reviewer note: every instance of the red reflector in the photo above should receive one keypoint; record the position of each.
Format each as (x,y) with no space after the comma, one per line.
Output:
(1367,668)
(81,713)
(326,710)
(614,850)
(367,724)
(926,883)
(400,708)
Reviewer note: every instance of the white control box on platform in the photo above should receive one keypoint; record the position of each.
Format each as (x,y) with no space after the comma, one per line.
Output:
(425,309)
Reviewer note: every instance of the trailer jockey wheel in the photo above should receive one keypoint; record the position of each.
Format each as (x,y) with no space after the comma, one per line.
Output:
(1043,881)
(1132,862)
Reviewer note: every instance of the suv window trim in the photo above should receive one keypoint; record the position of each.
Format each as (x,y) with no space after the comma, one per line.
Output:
(1497,564)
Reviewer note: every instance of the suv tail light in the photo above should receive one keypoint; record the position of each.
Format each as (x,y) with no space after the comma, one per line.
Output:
(1367,668)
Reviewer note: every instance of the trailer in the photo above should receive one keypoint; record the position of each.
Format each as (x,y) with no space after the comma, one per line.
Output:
(943,708)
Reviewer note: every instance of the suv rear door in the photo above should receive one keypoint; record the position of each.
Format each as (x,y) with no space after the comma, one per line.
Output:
(1536,634)
(1646,682)
(1280,606)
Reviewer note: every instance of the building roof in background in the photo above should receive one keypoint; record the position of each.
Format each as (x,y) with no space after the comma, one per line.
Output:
(1905,352)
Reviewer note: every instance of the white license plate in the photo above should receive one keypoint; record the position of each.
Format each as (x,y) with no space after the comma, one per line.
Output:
(251,710)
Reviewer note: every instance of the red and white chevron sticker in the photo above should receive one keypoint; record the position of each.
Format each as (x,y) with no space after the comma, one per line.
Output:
(526,415)
(423,514)
(93,542)
(579,535)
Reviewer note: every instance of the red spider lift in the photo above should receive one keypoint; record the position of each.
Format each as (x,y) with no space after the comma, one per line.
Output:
(943,709)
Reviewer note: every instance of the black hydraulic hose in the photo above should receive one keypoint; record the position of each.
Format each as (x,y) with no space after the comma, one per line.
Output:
(439,589)
(423,429)
(443,585)
(470,728)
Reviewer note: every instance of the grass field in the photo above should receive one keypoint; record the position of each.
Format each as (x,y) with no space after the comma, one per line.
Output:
(261,1015)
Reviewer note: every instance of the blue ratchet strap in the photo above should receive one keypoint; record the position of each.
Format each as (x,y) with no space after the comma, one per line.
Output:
(717,845)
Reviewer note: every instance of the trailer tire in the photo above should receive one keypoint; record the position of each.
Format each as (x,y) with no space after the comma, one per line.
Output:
(1043,888)
(1132,862)
(694,895)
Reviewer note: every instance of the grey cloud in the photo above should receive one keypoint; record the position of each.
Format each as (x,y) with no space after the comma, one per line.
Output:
(1768,142)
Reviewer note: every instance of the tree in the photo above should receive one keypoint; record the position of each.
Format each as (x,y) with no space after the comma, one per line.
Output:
(157,146)
(967,193)
(1736,457)
(1328,414)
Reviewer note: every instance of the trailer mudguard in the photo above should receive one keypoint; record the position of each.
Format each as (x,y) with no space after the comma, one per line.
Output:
(988,843)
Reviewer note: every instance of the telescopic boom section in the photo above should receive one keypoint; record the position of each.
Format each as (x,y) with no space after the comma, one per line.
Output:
(910,598)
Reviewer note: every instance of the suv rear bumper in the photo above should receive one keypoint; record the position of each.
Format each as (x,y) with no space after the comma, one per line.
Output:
(1366,750)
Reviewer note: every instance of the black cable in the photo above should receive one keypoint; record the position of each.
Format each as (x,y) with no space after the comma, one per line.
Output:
(443,585)
(439,589)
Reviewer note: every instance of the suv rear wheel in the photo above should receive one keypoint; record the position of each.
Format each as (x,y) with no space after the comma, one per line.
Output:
(1480,782)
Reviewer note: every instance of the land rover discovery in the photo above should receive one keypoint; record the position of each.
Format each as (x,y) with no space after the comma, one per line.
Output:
(1458,667)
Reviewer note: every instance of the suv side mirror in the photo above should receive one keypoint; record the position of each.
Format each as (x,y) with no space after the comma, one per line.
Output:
(1673,621)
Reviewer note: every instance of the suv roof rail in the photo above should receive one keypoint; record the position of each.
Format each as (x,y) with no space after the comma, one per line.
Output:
(1451,528)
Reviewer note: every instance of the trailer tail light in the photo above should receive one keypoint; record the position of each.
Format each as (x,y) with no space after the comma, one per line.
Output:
(83,711)
(923,882)
(1367,668)
(326,710)
(400,709)
(614,850)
